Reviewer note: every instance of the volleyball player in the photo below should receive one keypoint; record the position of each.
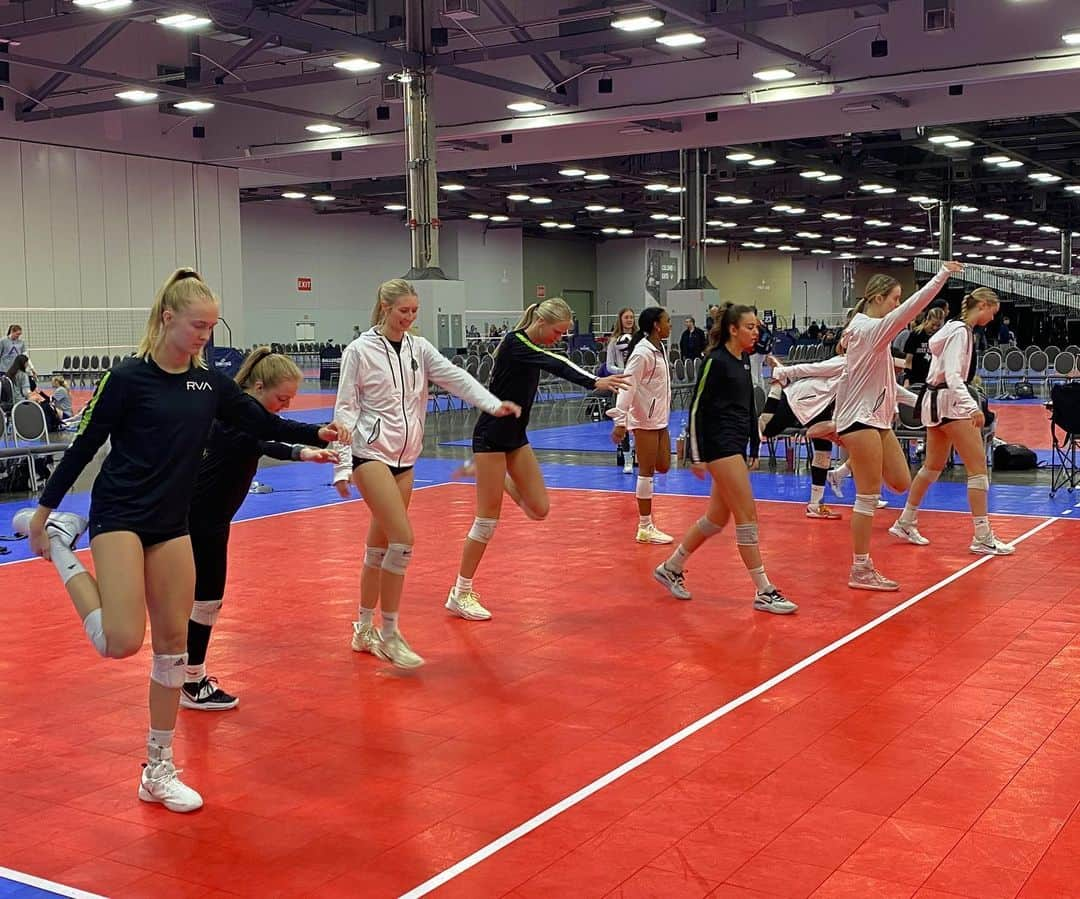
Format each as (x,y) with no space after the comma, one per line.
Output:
(157,408)
(866,406)
(953,418)
(617,356)
(228,467)
(502,458)
(644,407)
(722,423)
(382,402)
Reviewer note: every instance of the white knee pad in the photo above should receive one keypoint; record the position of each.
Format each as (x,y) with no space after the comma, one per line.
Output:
(931,475)
(206,613)
(373,556)
(708,527)
(169,670)
(746,534)
(865,504)
(398,556)
(644,488)
(483,529)
(822,459)
(95,631)
(979,482)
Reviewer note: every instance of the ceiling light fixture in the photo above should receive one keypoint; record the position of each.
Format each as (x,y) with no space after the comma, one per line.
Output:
(1072,38)
(517,198)
(681,39)
(315,129)
(540,201)
(740,157)
(135,95)
(196,106)
(598,176)
(565,226)
(774,75)
(625,231)
(500,218)
(828,179)
(293,195)
(324,198)
(870,187)
(526,106)
(1010,164)
(452,187)
(656,186)
(184,20)
(356,64)
(598,207)
(398,207)
(811,173)
(943,138)
(609,230)
(572,173)
(614,210)
(549,224)
(960,144)
(637,23)
(478,216)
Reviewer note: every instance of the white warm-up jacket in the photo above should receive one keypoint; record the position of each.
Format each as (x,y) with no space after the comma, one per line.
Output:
(383,397)
(646,403)
(811,386)
(950,359)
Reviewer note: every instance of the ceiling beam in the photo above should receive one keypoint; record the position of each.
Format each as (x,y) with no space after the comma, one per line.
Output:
(506,85)
(170,90)
(90,19)
(84,55)
(504,15)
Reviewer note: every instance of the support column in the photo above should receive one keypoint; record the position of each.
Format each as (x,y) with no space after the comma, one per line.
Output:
(421,176)
(1066,250)
(946,228)
(693,172)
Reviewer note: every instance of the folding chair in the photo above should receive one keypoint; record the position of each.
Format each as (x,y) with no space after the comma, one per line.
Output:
(1064,435)
(29,428)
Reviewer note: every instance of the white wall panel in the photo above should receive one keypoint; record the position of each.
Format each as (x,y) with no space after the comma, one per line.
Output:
(37,221)
(183,176)
(163,219)
(12,234)
(208,226)
(115,229)
(90,227)
(67,286)
(140,232)
(232,271)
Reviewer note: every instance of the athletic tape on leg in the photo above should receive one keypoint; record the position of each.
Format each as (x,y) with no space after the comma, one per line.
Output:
(979,482)
(708,527)
(169,670)
(483,529)
(373,556)
(206,612)
(746,534)
(398,556)
(644,488)
(865,504)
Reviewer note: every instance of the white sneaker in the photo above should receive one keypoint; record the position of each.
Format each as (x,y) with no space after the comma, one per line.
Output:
(908,531)
(882,503)
(66,525)
(466,605)
(675,581)
(161,783)
(395,650)
(772,600)
(628,465)
(990,546)
(650,533)
(365,638)
(867,577)
(835,481)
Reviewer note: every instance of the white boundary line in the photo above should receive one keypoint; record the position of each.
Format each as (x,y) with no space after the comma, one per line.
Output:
(637,761)
(51,886)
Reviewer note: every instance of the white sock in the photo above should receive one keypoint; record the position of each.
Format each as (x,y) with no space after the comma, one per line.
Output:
(910,515)
(761,582)
(843,470)
(162,738)
(462,585)
(862,559)
(194,674)
(677,560)
(817,494)
(644,521)
(65,561)
(92,625)
(389,624)
(367,617)
(982,526)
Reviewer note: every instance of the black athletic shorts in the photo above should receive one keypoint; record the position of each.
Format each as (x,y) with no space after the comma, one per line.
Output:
(860,426)
(211,551)
(785,418)
(395,470)
(147,536)
(481,444)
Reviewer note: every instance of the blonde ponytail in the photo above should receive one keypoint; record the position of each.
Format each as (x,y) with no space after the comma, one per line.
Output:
(262,364)
(553,310)
(389,293)
(978,295)
(182,288)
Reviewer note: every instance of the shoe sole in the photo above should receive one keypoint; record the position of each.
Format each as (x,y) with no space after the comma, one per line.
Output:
(146,796)
(902,536)
(461,613)
(835,517)
(660,579)
(873,589)
(386,658)
(762,607)
(187,702)
(653,542)
(983,551)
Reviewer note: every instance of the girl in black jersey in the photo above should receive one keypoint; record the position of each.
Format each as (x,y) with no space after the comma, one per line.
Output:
(502,458)
(157,408)
(228,466)
(722,422)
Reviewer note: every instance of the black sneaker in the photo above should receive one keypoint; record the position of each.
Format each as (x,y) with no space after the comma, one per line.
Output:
(206,695)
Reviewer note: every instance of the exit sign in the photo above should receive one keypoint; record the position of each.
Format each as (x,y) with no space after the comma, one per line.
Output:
(303,284)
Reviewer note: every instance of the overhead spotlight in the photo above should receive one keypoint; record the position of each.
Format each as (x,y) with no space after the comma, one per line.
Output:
(526,106)
(827,179)
(598,176)
(356,64)
(184,21)
(740,157)
(317,128)
(774,75)
(478,216)
(598,207)
(517,198)
(761,162)
(681,39)
(452,187)
(637,23)
(137,96)
(293,195)
(500,218)
(572,172)
(943,138)
(656,186)
(394,207)
(195,106)
(324,198)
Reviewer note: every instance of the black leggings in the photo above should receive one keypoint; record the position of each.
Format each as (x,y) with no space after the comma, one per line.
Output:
(785,419)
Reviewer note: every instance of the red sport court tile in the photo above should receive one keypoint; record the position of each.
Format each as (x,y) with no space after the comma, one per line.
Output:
(933,755)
